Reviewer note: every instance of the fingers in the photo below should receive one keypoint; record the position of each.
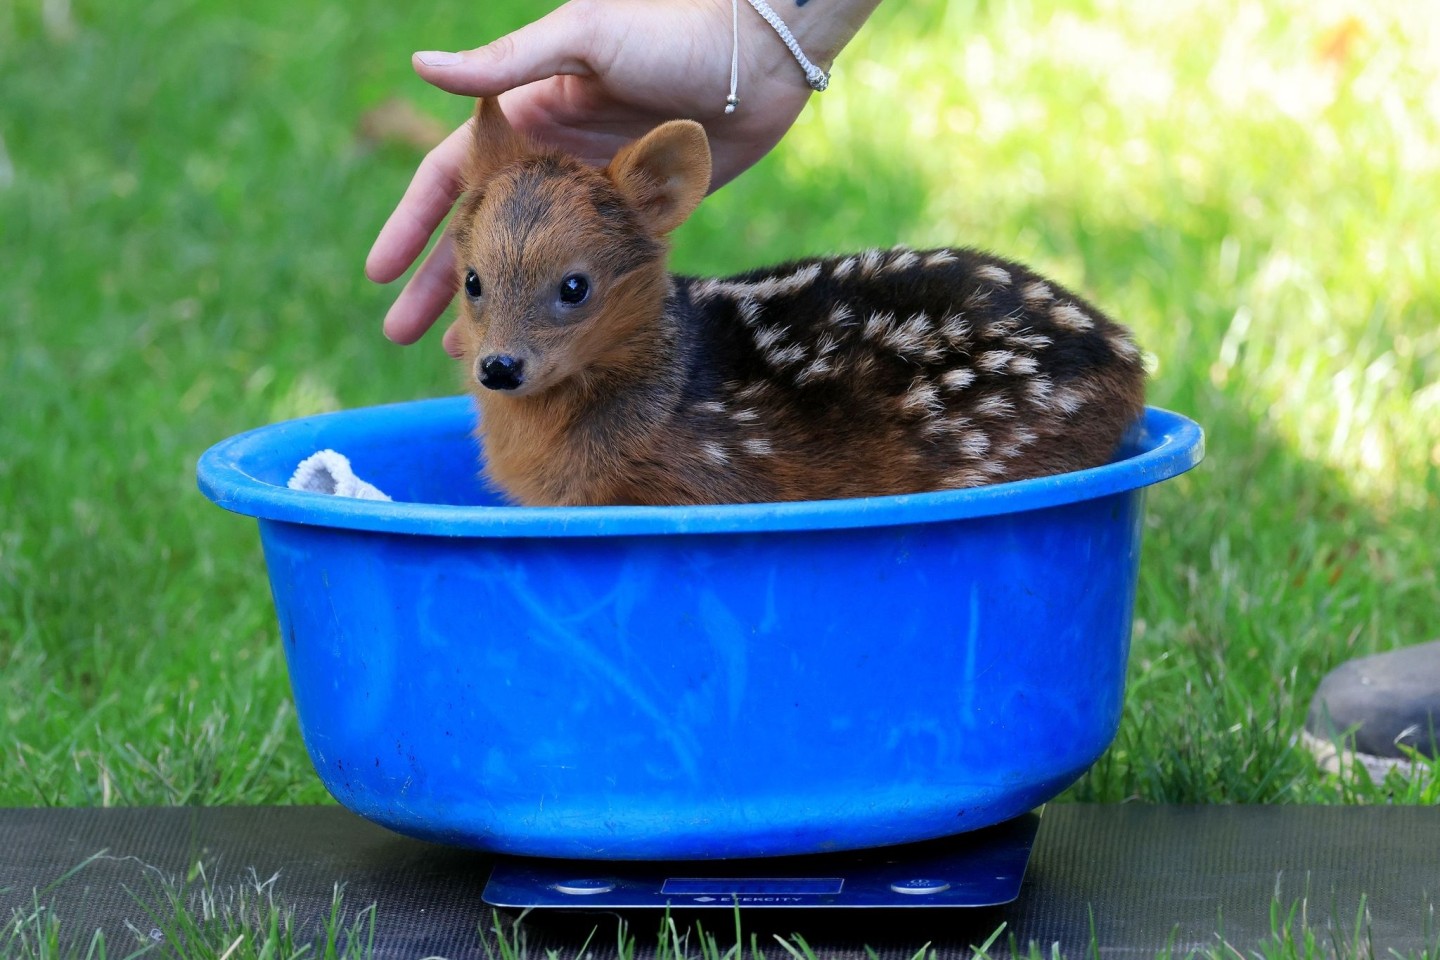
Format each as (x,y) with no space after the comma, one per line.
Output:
(424,297)
(451,341)
(427,200)
(554,44)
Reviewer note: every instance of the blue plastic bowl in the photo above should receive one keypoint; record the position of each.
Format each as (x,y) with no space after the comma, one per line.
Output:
(691,682)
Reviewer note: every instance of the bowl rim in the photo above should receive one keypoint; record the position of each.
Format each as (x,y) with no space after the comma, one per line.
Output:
(1172,445)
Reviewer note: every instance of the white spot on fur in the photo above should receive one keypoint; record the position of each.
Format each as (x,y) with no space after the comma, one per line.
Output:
(746,415)
(826,345)
(703,290)
(950,426)
(1067,400)
(786,356)
(923,398)
(1035,293)
(978,298)
(994,361)
(709,406)
(869,260)
(1002,327)
(767,288)
(904,259)
(974,444)
(749,311)
(1024,366)
(844,267)
(955,330)
(935,427)
(909,337)
(841,315)
(797,281)
(958,379)
(994,406)
(1029,340)
(939,257)
(1071,317)
(994,274)
(876,326)
(767,337)
(815,369)
(1014,444)
(1039,389)
(757,447)
(714,452)
(1124,346)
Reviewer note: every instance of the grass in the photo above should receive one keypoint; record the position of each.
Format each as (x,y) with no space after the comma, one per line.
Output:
(185,203)
(195,919)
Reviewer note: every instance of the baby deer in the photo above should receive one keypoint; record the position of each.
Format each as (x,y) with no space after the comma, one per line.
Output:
(603,379)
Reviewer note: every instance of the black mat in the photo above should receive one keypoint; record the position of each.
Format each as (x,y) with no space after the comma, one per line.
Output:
(1139,877)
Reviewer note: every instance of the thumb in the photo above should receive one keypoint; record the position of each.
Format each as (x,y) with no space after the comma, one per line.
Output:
(551,45)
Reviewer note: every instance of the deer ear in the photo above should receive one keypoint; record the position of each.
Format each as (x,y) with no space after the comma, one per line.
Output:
(665,173)
(493,143)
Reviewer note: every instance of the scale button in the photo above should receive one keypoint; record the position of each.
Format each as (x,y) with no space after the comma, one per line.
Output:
(584,888)
(920,886)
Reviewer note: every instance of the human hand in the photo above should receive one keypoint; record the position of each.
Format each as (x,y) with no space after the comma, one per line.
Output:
(588,78)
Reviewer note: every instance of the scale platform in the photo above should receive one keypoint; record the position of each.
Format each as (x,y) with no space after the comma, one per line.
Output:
(983,868)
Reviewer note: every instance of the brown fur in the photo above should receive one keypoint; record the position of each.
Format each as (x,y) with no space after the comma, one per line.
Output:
(884,372)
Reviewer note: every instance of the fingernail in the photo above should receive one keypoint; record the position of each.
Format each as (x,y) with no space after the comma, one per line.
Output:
(438,58)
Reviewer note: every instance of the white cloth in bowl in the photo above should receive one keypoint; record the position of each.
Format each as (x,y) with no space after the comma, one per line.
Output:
(329,472)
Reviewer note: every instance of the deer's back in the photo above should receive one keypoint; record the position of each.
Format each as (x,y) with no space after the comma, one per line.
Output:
(898,371)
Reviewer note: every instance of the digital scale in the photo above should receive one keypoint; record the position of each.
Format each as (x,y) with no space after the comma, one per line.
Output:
(983,868)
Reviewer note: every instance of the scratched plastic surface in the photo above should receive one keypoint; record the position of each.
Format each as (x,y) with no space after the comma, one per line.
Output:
(678,683)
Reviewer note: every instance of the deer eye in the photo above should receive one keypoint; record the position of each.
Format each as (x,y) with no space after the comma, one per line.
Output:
(472,285)
(574,289)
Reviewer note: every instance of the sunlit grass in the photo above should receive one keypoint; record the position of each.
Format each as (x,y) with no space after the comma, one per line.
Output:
(1261,179)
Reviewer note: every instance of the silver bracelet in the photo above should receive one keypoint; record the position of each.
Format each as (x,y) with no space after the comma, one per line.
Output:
(817,78)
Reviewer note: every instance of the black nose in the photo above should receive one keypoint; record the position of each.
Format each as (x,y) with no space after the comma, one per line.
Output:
(500,371)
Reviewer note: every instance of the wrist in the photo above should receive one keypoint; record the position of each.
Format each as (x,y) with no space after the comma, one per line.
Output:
(822,28)
(816,78)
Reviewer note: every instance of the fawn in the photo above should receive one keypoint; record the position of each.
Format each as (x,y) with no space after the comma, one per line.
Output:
(603,379)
